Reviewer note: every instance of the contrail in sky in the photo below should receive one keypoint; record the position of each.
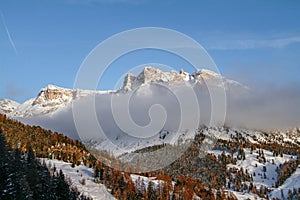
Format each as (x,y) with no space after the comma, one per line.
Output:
(8,34)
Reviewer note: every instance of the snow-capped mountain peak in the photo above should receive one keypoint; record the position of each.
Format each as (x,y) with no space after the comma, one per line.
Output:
(48,100)
(52,98)
(204,74)
(53,95)
(152,75)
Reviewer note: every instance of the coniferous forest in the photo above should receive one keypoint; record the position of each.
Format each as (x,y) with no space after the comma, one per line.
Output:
(24,176)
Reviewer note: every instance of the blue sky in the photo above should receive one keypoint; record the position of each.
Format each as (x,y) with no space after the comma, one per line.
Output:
(44,42)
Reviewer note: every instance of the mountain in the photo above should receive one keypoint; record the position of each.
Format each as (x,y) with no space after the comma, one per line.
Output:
(49,99)
(152,75)
(126,149)
(243,164)
(249,163)
(53,98)
(201,76)
(7,106)
(52,108)
(210,162)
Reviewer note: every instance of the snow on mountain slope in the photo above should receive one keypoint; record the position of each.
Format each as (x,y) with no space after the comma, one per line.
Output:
(201,76)
(152,75)
(76,175)
(53,95)
(52,98)
(7,106)
(245,196)
(255,167)
(125,148)
(122,145)
(288,137)
(49,99)
(146,180)
(293,182)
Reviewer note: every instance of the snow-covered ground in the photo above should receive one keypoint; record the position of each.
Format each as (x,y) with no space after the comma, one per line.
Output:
(77,174)
(7,106)
(146,180)
(253,166)
(292,182)
(92,189)
(251,163)
(245,196)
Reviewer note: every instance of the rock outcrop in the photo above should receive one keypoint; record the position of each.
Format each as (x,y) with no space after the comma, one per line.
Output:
(52,98)
(152,75)
(53,95)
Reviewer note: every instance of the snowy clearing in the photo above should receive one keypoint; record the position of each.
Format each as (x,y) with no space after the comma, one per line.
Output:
(77,174)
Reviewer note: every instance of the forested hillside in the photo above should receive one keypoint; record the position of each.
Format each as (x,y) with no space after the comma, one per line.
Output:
(23,177)
(35,141)
(234,166)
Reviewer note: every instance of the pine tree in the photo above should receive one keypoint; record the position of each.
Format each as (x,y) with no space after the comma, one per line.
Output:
(151,191)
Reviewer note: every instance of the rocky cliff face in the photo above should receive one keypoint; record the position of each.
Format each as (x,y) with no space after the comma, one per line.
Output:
(152,75)
(49,99)
(53,95)
(129,80)
(52,98)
